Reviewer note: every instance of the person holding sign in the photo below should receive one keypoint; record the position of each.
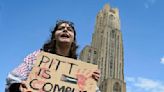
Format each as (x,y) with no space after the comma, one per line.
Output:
(62,42)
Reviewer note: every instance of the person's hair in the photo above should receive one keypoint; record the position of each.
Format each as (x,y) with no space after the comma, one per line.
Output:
(49,46)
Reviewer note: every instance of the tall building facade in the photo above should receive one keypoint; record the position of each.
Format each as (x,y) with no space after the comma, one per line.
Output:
(106,50)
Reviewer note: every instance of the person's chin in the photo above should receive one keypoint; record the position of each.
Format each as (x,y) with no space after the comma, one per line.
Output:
(65,41)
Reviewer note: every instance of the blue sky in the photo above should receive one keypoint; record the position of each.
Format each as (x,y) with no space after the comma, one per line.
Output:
(25,25)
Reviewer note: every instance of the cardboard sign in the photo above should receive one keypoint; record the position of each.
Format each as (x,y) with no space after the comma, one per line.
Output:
(53,73)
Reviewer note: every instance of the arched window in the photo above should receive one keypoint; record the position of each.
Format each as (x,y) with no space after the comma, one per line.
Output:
(113,33)
(117,87)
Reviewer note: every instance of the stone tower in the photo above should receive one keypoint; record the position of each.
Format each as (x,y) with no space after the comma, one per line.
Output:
(106,50)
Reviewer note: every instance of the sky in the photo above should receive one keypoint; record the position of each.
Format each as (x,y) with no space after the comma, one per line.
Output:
(25,25)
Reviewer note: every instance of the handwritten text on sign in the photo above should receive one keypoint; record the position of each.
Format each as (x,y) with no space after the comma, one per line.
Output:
(53,73)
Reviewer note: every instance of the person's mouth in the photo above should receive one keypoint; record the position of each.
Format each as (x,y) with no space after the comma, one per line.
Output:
(64,36)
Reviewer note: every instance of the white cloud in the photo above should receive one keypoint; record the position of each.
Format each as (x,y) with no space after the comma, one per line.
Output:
(162,60)
(130,79)
(149,85)
(152,1)
(149,3)
(144,85)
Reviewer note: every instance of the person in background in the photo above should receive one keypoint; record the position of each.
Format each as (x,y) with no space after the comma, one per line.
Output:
(62,42)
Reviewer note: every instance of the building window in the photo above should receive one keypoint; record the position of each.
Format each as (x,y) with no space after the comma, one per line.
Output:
(116,87)
(112,16)
(113,33)
(89,50)
(94,52)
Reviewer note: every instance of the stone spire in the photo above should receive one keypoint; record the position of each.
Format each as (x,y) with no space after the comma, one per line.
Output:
(106,7)
(106,50)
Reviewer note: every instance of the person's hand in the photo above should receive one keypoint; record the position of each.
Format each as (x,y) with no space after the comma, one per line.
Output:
(96,75)
(23,87)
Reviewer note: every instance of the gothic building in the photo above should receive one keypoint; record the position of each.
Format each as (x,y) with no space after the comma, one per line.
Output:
(106,50)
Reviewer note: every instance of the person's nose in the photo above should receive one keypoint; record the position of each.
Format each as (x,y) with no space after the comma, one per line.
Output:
(65,29)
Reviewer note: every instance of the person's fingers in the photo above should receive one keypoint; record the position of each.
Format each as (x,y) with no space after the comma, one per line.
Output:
(96,75)
(23,87)
(25,90)
(28,91)
(97,71)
